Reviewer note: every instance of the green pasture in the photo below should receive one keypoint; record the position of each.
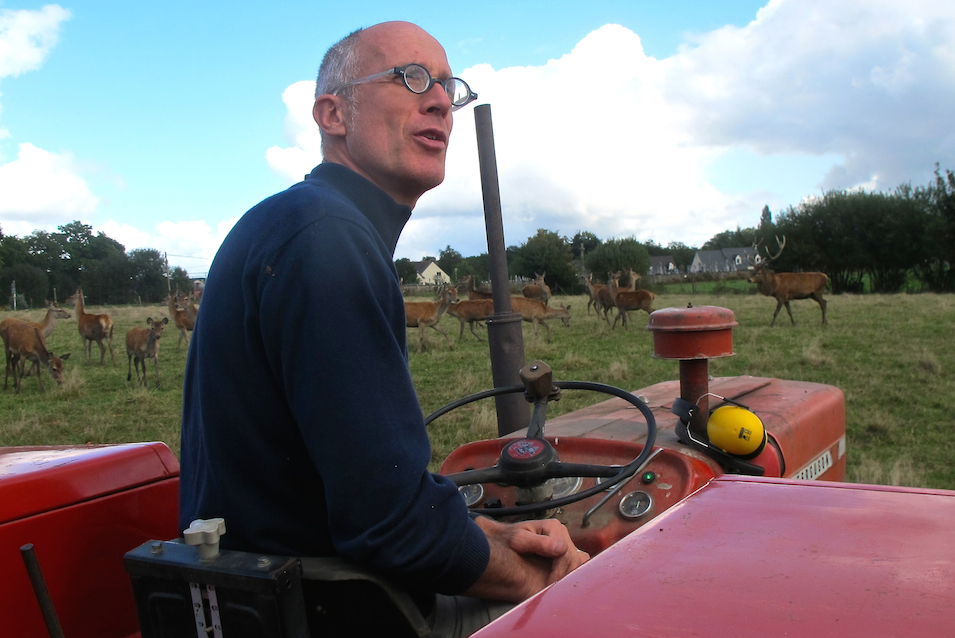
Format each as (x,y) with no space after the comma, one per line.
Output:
(892,355)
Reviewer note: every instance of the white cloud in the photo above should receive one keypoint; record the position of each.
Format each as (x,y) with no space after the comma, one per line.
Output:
(43,188)
(26,38)
(301,131)
(188,244)
(609,140)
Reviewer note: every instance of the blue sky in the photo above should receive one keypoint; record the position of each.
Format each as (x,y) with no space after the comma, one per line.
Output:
(161,124)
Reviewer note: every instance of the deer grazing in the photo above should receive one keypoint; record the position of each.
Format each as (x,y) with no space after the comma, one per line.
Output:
(627,300)
(472,292)
(92,328)
(142,344)
(535,312)
(427,314)
(23,341)
(786,286)
(53,312)
(538,289)
(181,318)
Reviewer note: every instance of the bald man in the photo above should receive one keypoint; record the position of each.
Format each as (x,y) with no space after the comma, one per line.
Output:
(300,425)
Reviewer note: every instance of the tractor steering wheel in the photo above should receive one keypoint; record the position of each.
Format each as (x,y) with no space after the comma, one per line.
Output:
(531,461)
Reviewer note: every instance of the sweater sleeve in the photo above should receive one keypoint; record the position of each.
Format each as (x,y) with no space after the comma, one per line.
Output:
(334,327)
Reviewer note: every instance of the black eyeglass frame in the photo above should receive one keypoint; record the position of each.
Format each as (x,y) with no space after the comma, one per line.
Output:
(448,85)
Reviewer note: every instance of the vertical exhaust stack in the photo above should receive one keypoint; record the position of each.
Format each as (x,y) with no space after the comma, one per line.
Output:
(693,335)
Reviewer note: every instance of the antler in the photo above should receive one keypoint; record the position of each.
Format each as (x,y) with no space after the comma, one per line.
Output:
(782,244)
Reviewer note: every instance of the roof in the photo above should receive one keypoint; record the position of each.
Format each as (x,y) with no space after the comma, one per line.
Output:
(726,259)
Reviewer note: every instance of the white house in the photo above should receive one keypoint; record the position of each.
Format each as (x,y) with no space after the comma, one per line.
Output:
(430,273)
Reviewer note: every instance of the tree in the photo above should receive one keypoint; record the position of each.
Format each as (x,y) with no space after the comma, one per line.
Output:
(546,252)
(449,260)
(179,280)
(766,226)
(31,282)
(110,280)
(739,238)
(406,270)
(618,254)
(148,274)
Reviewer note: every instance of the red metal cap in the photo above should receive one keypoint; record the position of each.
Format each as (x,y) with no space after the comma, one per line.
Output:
(701,332)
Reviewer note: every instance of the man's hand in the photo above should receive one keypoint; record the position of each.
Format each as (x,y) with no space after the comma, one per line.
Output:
(525,558)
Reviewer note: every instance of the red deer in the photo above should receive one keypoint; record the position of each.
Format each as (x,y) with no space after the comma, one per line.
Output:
(471,311)
(182,321)
(22,341)
(472,293)
(534,311)
(46,326)
(92,328)
(593,292)
(185,301)
(627,300)
(538,289)
(142,344)
(786,286)
(427,314)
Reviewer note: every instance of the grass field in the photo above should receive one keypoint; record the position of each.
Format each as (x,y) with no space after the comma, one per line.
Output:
(892,356)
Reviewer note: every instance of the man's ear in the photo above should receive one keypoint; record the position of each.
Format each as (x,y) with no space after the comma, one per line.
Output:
(329,114)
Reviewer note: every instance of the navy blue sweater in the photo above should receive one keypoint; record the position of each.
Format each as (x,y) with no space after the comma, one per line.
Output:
(300,424)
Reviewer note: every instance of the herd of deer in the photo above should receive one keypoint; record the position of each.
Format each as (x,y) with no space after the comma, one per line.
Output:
(533,307)
(26,341)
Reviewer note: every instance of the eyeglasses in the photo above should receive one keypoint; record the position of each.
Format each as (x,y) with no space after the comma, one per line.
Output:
(418,80)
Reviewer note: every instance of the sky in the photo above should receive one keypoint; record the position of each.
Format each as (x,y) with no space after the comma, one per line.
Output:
(160,124)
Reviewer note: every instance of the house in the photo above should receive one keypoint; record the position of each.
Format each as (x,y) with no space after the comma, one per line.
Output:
(724,260)
(430,273)
(663,265)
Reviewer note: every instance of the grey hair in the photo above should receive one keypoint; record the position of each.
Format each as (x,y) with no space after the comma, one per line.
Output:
(340,65)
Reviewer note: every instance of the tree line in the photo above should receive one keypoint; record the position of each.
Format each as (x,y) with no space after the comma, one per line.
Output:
(48,266)
(885,242)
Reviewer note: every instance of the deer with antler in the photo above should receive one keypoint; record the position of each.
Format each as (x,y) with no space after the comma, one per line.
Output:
(786,286)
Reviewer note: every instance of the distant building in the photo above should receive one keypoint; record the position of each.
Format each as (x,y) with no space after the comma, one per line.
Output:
(429,272)
(724,260)
(663,265)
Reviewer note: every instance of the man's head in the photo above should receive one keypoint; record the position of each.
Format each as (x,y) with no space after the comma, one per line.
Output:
(380,129)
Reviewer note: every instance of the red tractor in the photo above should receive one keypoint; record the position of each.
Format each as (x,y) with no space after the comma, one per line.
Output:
(711,507)
(690,533)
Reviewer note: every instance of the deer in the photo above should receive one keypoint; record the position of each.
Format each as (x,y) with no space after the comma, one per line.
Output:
(471,311)
(786,286)
(185,301)
(142,344)
(535,312)
(594,291)
(181,318)
(23,341)
(427,314)
(627,300)
(45,326)
(538,289)
(92,328)
(472,292)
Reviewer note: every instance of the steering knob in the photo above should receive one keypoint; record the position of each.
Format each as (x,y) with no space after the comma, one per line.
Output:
(523,461)
(537,378)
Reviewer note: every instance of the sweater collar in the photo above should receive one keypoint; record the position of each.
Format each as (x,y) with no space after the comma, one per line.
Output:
(385,214)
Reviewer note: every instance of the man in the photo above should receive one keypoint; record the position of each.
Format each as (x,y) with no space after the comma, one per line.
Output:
(301,426)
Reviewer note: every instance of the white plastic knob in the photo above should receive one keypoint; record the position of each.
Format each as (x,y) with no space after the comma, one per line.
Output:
(204,534)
